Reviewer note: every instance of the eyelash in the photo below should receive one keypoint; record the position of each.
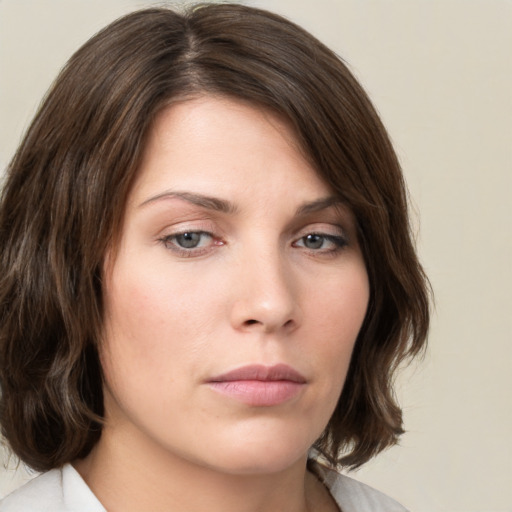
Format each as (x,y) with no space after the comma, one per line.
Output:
(338,242)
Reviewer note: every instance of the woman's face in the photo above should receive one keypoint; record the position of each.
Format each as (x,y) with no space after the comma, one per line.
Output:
(235,297)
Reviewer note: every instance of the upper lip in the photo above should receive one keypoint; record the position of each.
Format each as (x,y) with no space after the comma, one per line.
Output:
(262,373)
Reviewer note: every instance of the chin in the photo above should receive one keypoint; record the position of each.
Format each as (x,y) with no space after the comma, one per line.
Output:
(253,456)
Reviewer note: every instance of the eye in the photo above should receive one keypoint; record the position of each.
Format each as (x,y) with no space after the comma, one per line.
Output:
(191,240)
(314,241)
(321,242)
(188,242)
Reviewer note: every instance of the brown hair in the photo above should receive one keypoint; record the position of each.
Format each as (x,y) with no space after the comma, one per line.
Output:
(67,185)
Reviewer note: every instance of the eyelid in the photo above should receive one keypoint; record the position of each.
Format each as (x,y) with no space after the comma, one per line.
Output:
(189,225)
(323,228)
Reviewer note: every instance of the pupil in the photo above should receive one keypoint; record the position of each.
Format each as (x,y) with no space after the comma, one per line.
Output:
(314,241)
(188,240)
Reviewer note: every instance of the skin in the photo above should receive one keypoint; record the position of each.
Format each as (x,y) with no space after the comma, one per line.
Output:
(276,276)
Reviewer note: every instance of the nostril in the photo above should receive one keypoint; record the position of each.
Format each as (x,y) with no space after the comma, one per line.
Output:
(252,321)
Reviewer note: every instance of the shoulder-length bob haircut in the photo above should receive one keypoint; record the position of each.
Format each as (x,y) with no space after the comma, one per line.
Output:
(66,188)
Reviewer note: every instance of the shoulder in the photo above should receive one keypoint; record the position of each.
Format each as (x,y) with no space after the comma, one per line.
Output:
(59,490)
(354,496)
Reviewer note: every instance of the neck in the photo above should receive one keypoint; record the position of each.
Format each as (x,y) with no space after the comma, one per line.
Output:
(135,477)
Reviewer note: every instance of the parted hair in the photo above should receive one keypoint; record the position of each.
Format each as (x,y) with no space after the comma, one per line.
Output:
(66,188)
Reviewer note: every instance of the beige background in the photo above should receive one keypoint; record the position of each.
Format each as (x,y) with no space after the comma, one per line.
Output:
(440,73)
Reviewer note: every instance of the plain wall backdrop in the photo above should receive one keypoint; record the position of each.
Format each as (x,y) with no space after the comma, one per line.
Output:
(440,73)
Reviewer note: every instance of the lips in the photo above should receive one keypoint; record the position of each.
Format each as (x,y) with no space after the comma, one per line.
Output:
(259,385)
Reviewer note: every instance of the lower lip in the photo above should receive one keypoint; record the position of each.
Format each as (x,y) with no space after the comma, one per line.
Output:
(259,393)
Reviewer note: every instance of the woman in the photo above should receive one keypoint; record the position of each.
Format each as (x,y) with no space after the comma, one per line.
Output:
(207,275)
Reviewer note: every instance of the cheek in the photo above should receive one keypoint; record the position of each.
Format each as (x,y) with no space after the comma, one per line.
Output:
(157,323)
(142,352)
(339,307)
(337,315)
(151,308)
(136,334)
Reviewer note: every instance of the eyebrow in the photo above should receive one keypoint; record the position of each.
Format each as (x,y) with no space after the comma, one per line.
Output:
(319,204)
(208,202)
(224,206)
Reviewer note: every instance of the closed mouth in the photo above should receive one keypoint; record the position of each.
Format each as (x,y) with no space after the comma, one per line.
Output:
(278,372)
(260,385)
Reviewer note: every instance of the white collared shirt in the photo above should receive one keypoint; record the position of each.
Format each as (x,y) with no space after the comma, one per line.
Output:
(64,490)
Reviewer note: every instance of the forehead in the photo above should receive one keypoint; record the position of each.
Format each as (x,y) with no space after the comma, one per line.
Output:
(223,143)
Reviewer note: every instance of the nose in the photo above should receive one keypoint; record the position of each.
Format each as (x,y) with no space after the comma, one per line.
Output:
(266,297)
